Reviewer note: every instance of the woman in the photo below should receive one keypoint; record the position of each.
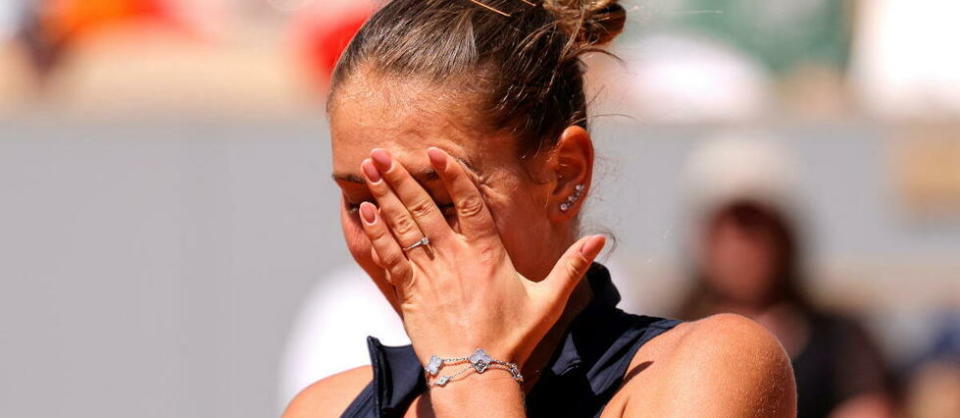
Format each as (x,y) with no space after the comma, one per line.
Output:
(460,145)
(749,264)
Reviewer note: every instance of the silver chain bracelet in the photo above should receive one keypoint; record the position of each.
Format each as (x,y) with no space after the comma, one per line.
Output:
(479,361)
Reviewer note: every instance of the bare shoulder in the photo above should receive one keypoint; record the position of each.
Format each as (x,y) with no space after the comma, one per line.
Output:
(330,396)
(723,365)
(727,339)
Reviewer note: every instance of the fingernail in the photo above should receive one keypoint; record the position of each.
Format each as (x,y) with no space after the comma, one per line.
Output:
(437,157)
(368,212)
(382,159)
(370,171)
(593,246)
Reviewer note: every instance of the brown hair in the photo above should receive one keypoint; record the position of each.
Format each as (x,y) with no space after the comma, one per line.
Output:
(702,299)
(517,60)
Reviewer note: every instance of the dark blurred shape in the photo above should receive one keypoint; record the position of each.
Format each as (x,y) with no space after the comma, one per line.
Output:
(946,344)
(43,51)
(52,27)
(748,253)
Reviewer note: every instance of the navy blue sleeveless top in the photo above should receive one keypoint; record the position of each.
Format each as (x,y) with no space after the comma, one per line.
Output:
(585,372)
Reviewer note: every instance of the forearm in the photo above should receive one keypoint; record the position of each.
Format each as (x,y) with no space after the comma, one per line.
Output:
(492,394)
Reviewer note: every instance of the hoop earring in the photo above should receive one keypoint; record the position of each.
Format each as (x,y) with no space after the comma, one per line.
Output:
(572,199)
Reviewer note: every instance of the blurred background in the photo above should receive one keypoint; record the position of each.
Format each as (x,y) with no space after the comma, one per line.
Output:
(169,240)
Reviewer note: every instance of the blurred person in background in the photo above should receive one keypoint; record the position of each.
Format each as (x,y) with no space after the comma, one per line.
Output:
(748,260)
(53,26)
(51,29)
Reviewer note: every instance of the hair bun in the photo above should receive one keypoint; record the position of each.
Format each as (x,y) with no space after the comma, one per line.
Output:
(590,22)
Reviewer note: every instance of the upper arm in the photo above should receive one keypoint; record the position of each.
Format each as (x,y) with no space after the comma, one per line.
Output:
(724,366)
(330,396)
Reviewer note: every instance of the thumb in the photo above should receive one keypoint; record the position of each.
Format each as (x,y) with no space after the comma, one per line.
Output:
(571,267)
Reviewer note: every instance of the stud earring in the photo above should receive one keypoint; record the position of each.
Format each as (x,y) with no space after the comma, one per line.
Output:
(577,193)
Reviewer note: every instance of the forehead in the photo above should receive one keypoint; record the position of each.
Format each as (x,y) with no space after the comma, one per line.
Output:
(405,117)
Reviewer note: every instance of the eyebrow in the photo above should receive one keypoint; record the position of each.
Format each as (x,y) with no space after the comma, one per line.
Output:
(421,176)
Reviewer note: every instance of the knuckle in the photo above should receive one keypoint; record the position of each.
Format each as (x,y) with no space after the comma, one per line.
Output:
(404,225)
(378,190)
(380,238)
(379,235)
(577,265)
(394,175)
(399,273)
(470,206)
(392,260)
(421,209)
(489,255)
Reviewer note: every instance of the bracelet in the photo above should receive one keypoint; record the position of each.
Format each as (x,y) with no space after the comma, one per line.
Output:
(479,361)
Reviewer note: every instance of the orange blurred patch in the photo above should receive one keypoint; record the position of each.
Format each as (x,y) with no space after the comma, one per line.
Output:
(69,20)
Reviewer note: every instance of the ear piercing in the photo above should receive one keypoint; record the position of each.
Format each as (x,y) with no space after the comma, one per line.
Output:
(577,193)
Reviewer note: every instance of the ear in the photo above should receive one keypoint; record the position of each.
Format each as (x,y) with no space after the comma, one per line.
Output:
(572,165)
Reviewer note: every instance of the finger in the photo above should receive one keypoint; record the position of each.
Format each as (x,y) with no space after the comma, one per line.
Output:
(474,217)
(417,201)
(389,254)
(398,220)
(385,285)
(377,274)
(571,268)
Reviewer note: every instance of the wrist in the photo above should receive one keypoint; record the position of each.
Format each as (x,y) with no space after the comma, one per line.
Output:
(496,392)
(445,370)
(463,352)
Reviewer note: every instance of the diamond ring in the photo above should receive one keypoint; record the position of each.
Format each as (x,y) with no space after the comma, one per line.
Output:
(423,241)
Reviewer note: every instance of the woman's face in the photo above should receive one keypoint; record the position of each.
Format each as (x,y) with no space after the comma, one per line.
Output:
(742,254)
(406,117)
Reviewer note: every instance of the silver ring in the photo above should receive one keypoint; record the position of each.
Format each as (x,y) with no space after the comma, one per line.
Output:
(423,241)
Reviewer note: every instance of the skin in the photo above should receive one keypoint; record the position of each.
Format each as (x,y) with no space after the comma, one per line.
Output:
(502,251)
(740,260)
